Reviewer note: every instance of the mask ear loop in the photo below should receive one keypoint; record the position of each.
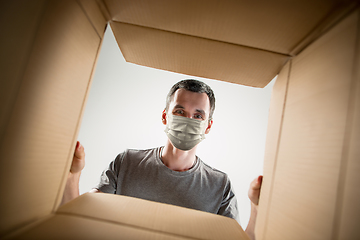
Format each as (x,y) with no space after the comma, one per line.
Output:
(195,162)
(161,151)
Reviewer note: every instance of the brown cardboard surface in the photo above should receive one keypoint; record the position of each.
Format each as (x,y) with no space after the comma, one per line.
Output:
(38,141)
(305,193)
(256,24)
(15,49)
(277,27)
(200,38)
(197,56)
(66,170)
(95,15)
(153,216)
(348,205)
(312,154)
(341,10)
(276,113)
(74,227)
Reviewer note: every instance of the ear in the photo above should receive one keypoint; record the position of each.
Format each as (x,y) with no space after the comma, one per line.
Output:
(163,117)
(209,127)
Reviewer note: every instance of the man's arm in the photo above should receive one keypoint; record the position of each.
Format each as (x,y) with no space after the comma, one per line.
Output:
(254,195)
(72,184)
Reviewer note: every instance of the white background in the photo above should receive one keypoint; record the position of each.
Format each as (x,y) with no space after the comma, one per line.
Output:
(124,111)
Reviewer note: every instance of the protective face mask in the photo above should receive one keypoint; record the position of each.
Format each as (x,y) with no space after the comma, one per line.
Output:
(184,133)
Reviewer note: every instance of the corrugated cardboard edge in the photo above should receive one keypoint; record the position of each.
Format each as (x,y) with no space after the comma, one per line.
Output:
(196,56)
(153,216)
(135,217)
(343,9)
(58,194)
(71,152)
(265,201)
(276,118)
(104,9)
(345,69)
(342,219)
(95,15)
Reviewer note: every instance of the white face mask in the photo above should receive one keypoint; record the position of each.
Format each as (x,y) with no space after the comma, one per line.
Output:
(184,133)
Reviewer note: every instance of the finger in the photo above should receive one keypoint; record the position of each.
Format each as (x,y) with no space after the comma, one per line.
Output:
(79,151)
(260,179)
(256,183)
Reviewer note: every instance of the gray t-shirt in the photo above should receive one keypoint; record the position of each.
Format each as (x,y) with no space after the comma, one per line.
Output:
(142,174)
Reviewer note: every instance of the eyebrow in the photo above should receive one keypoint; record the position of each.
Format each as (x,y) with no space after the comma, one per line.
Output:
(179,106)
(201,111)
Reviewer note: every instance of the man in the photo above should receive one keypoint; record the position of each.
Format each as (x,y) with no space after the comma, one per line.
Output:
(173,174)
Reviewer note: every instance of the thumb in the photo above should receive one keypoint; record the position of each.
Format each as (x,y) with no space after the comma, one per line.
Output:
(256,183)
(79,151)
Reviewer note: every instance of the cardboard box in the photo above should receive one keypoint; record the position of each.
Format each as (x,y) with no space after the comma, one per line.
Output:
(236,41)
(47,60)
(308,157)
(108,216)
(312,156)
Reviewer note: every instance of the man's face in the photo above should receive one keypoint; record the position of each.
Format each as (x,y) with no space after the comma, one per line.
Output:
(191,105)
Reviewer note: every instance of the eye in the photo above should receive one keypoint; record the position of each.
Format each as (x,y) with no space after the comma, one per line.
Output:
(178,112)
(198,116)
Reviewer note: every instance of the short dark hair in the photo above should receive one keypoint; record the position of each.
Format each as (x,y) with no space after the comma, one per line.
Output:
(193,86)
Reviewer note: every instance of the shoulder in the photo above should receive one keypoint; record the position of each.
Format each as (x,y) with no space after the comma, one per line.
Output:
(137,154)
(213,173)
(212,170)
(140,152)
(131,158)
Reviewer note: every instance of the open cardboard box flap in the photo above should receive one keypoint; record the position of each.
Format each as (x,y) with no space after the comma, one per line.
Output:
(243,42)
(111,216)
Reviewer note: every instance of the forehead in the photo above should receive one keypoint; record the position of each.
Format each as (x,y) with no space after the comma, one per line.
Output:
(191,100)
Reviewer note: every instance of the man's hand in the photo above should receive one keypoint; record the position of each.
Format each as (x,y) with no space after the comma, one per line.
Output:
(254,195)
(254,190)
(71,190)
(78,162)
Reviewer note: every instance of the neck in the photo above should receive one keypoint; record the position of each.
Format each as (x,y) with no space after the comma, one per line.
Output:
(176,159)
